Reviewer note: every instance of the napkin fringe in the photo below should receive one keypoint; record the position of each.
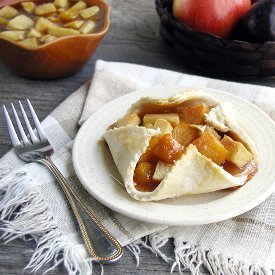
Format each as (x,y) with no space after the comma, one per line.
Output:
(24,214)
(191,258)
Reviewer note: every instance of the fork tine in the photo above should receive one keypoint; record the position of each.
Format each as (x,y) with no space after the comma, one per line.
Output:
(33,137)
(20,127)
(14,139)
(37,123)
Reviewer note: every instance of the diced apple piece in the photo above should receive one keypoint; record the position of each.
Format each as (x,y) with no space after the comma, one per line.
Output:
(162,169)
(194,114)
(79,6)
(20,22)
(211,147)
(13,35)
(143,177)
(144,172)
(31,42)
(8,12)
(74,24)
(89,12)
(60,31)
(43,24)
(148,155)
(47,38)
(131,119)
(164,126)
(28,6)
(212,131)
(34,33)
(87,27)
(172,118)
(61,3)
(185,133)
(45,9)
(168,149)
(54,18)
(68,15)
(237,153)
(3,21)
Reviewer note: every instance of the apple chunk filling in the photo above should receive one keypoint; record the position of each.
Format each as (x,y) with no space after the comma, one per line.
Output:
(45,21)
(178,128)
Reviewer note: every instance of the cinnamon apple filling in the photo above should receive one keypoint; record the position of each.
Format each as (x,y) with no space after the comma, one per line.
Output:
(189,143)
(179,127)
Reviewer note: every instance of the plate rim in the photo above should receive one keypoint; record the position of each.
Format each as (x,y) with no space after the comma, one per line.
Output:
(139,92)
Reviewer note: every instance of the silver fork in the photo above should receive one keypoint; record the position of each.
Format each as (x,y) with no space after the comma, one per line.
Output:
(33,147)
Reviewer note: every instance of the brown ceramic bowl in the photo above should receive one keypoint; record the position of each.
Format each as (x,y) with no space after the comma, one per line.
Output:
(59,58)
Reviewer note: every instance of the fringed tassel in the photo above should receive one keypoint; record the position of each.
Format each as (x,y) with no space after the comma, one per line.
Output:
(23,211)
(189,257)
(157,241)
(153,243)
(134,248)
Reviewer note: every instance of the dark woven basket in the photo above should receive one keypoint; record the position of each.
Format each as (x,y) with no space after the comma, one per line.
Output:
(214,55)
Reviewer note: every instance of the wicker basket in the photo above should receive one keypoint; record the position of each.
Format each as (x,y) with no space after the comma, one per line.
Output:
(214,55)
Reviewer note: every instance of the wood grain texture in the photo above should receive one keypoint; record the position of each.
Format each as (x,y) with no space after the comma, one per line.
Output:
(133,37)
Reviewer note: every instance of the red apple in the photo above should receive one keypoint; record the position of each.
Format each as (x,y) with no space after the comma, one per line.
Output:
(212,16)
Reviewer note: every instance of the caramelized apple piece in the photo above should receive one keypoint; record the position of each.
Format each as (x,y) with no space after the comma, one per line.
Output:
(194,114)
(68,15)
(211,147)
(45,9)
(13,35)
(144,172)
(147,155)
(87,27)
(74,24)
(34,33)
(31,42)
(43,24)
(3,21)
(79,6)
(53,18)
(168,149)
(20,22)
(172,118)
(143,177)
(164,126)
(237,153)
(61,3)
(28,6)
(8,12)
(59,31)
(89,12)
(184,133)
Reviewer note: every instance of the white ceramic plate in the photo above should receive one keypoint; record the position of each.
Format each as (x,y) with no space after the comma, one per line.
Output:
(96,170)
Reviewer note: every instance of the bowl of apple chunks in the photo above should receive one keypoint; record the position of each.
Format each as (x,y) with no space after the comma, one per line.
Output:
(180,128)
(50,39)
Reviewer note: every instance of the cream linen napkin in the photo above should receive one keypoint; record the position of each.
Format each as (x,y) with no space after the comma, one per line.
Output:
(32,203)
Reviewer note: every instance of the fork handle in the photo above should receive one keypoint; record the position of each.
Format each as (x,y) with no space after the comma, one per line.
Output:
(101,245)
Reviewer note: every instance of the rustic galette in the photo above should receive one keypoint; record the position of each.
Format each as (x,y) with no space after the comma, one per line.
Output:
(189,143)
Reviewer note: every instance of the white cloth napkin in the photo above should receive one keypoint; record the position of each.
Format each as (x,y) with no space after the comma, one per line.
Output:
(241,245)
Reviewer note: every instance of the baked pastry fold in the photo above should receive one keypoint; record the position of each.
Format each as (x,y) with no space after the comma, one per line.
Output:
(192,172)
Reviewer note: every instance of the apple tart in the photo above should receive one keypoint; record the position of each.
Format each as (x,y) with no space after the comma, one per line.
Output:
(189,143)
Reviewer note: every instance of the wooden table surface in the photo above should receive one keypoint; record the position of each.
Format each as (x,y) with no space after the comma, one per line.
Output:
(133,37)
